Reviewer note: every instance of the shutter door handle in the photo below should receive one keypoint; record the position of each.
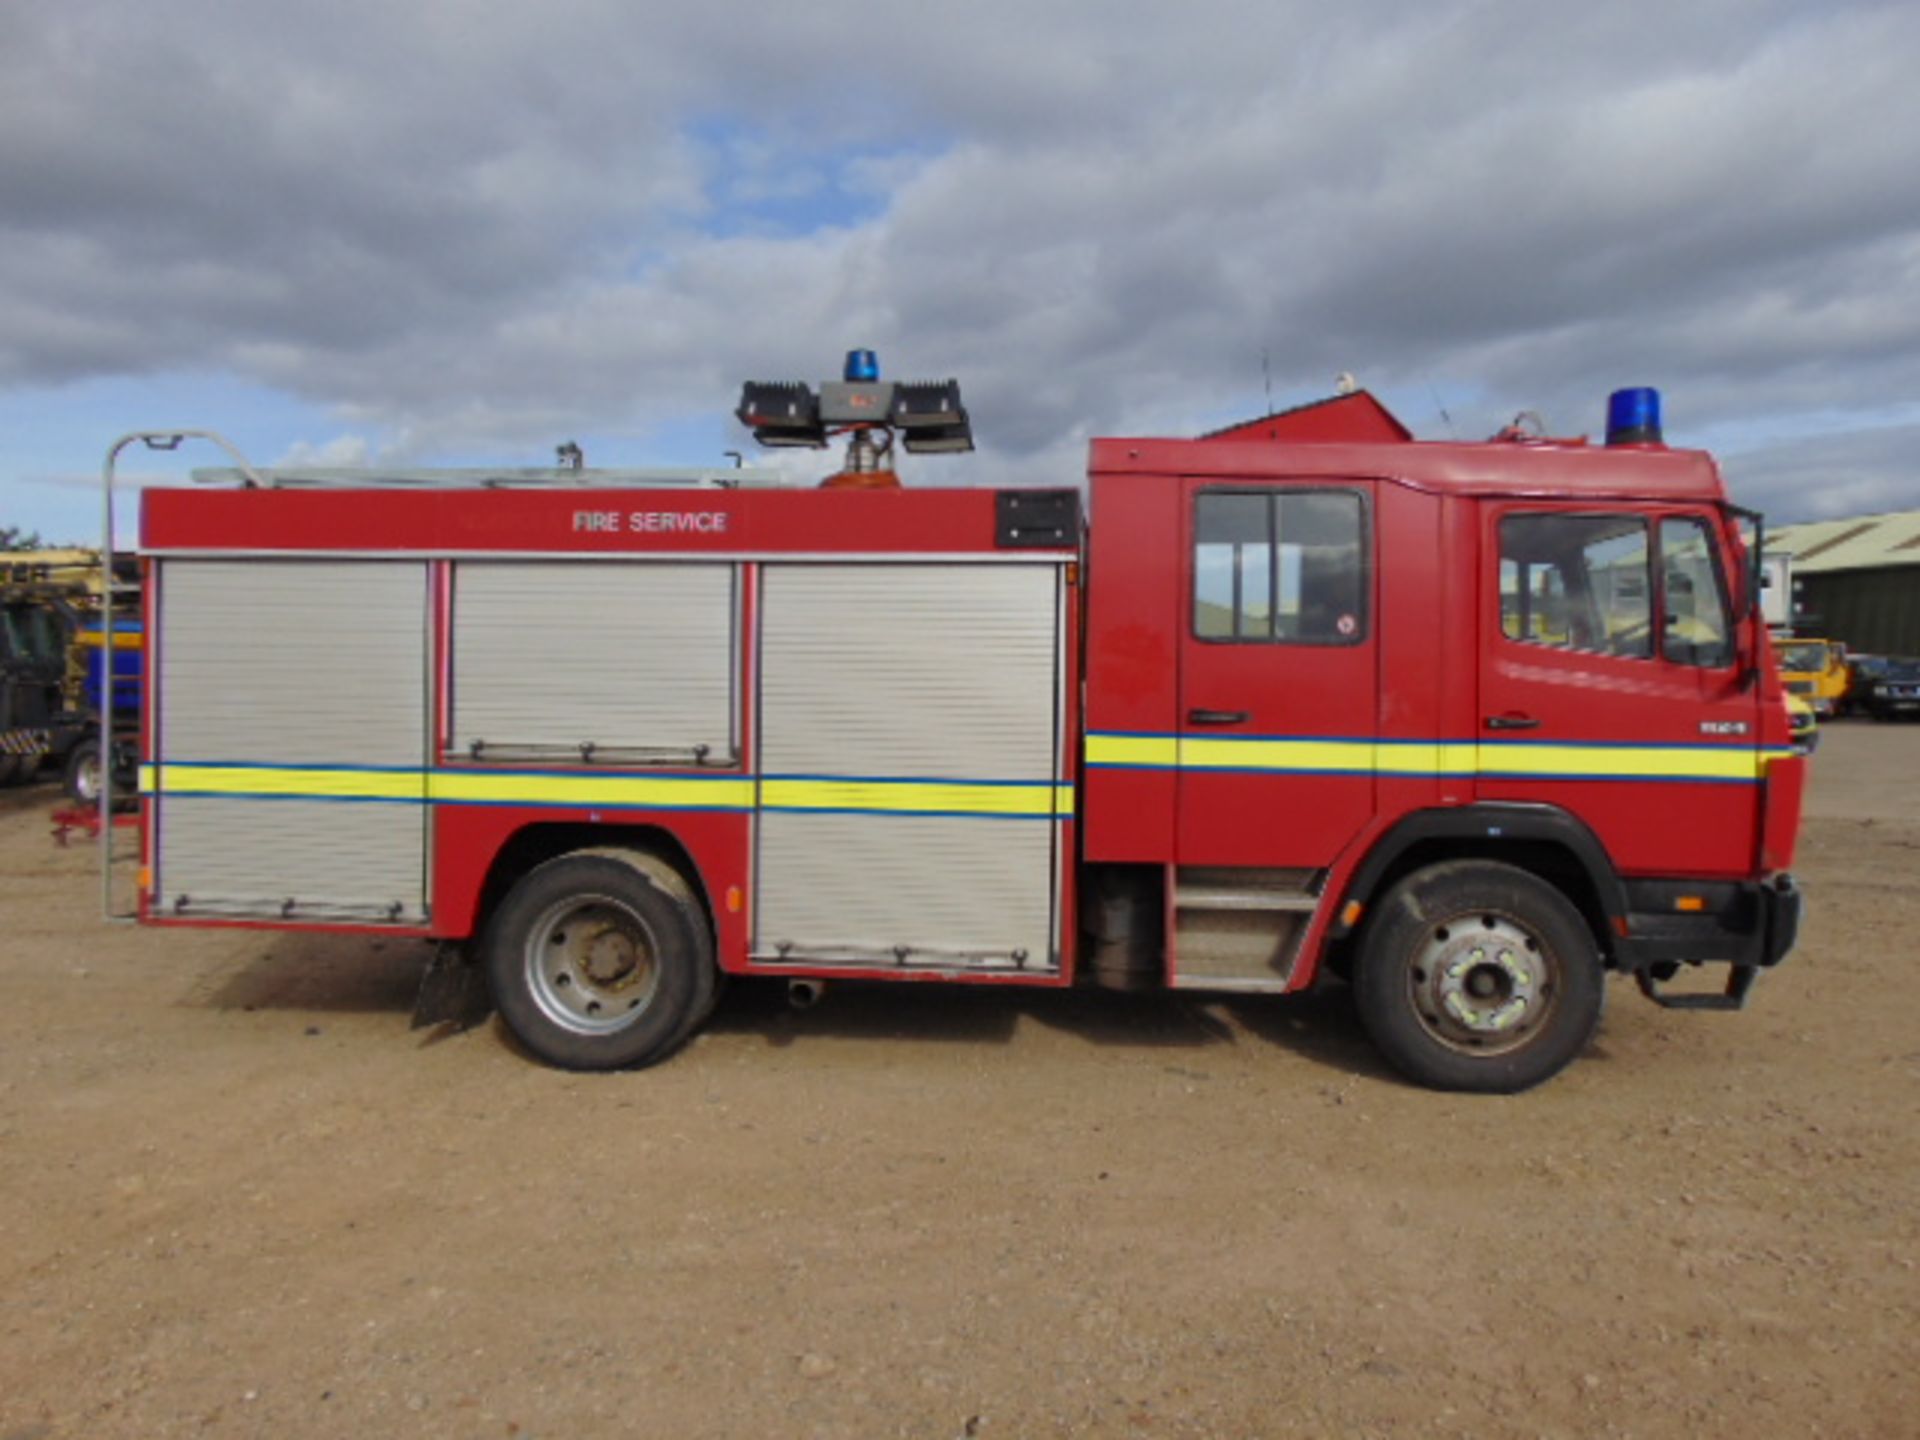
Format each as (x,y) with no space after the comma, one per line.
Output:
(1217,717)
(1512,720)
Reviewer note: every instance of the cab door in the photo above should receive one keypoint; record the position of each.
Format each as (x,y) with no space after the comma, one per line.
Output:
(1278,673)
(1609,681)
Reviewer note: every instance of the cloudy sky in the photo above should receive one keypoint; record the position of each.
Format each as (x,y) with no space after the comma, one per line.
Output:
(431,231)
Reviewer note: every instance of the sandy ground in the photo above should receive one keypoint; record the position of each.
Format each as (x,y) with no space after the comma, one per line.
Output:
(239,1197)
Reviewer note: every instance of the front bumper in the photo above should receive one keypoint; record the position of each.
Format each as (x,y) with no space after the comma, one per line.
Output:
(1748,925)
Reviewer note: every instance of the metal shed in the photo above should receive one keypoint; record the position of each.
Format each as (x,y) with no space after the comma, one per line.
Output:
(1858,580)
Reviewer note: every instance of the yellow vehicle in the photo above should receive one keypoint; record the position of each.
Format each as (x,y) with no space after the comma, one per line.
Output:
(1816,671)
(1800,720)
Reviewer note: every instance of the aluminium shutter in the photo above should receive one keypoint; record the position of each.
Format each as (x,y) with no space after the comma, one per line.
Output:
(278,678)
(896,673)
(635,659)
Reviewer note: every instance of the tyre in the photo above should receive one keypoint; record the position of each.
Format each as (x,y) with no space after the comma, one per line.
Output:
(601,960)
(10,770)
(1478,976)
(83,773)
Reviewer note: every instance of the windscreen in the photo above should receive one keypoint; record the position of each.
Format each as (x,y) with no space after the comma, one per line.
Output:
(1803,655)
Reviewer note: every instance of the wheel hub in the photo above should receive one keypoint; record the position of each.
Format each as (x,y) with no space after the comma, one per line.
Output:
(610,957)
(590,964)
(1482,982)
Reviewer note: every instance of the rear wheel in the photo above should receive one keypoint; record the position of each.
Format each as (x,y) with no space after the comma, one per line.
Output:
(12,769)
(601,960)
(1479,976)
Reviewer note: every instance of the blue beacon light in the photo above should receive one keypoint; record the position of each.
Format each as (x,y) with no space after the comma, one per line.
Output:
(1633,417)
(863,366)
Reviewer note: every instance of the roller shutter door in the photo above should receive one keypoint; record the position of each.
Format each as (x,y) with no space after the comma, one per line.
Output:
(634,661)
(873,678)
(292,738)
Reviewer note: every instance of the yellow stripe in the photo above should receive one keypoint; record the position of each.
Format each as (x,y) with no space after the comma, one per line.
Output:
(1133,750)
(1198,754)
(1420,758)
(1654,762)
(1532,761)
(292,782)
(940,797)
(662,792)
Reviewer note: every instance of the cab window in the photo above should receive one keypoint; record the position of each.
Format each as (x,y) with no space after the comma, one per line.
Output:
(1287,566)
(1695,629)
(1577,582)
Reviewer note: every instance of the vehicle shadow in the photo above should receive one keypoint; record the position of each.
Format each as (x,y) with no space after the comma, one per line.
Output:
(334,973)
(1319,1027)
(41,793)
(1322,1026)
(371,974)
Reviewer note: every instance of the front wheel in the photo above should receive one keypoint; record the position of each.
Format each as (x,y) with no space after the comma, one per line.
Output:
(601,960)
(1480,976)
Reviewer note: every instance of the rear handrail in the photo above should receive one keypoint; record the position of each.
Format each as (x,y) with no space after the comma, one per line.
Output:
(153,440)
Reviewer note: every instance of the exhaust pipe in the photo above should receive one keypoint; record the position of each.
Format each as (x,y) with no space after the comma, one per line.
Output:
(805,994)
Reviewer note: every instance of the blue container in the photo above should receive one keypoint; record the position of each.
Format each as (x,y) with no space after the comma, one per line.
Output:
(127,663)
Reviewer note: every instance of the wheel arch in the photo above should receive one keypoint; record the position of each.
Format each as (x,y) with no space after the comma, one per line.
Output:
(1544,840)
(533,845)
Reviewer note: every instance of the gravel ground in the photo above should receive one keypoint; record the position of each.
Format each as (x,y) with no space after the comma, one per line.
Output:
(239,1197)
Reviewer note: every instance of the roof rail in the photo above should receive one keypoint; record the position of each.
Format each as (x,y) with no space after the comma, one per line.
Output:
(722,477)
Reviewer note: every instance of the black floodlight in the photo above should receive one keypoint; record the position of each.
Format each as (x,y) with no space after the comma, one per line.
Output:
(930,418)
(927,414)
(782,413)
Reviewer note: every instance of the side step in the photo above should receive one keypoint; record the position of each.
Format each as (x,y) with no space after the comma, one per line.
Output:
(1239,929)
(1220,897)
(1739,982)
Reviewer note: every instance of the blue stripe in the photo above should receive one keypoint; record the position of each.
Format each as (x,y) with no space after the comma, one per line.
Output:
(170,793)
(290,765)
(1538,777)
(909,780)
(917,814)
(1270,770)
(621,770)
(594,805)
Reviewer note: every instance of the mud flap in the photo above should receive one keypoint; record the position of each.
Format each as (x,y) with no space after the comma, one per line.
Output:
(453,991)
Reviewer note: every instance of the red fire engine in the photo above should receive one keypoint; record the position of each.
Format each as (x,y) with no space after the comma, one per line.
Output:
(1467,724)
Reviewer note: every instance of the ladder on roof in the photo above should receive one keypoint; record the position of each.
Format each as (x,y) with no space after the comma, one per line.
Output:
(723,477)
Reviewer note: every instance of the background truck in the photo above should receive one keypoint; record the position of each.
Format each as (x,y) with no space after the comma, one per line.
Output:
(1776,590)
(1816,671)
(1469,725)
(54,663)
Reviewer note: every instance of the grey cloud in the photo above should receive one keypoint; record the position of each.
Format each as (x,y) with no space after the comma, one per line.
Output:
(462,225)
(1862,472)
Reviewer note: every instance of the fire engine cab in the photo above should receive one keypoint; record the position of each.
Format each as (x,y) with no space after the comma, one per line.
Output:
(1467,725)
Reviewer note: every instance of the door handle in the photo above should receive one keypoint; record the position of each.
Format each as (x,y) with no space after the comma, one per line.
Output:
(1512,720)
(1217,717)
